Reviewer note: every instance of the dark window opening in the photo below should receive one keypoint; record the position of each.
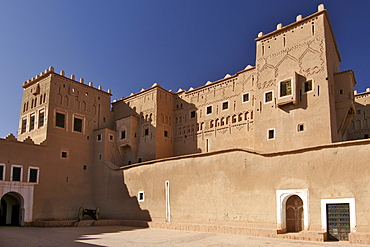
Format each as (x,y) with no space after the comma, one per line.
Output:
(139,160)
(246,97)
(85,167)
(268,97)
(146,131)
(32,122)
(225,105)
(64,154)
(300,127)
(17,174)
(308,86)
(366,136)
(209,109)
(60,120)
(1,172)
(141,196)
(123,134)
(24,124)
(271,134)
(41,118)
(192,114)
(165,133)
(77,125)
(99,137)
(33,176)
(341,91)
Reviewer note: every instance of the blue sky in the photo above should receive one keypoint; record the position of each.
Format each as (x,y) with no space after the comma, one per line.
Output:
(126,45)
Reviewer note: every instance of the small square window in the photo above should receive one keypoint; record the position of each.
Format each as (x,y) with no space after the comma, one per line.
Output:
(268,97)
(209,109)
(308,86)
(246,97)
(271,134)
(192,114)
(60,120)
(123,134)
(225,105)
(33,175)
(285,88)
(110,137)
(98,137)
(140,196)
(146,131)
(64,154)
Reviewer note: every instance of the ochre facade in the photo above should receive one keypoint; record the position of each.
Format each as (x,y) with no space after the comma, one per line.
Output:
(279,147)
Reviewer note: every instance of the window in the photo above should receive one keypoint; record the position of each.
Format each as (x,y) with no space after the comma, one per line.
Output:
(77,124)
(2,172)
(271,134)
(308,86)
(140,196)
(165,133)
(60,120)
(285,88)
(209,109)
(246,97)
(123,134)
(110,137)
(192,114)
(341,91)
(64,154)
(33,175)
(300,127)
(24,125)
(32,122)
(146,131)
(98,137)
(41,118)
(268,96)
(16,173)
(225,105)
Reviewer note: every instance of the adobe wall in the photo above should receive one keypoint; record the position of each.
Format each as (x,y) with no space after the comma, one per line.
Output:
(239,187)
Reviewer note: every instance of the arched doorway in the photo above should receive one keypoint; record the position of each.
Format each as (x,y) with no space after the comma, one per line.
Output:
(294,214)
(11,209)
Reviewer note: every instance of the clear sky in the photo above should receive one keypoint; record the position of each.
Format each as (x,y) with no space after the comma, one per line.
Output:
(126,45)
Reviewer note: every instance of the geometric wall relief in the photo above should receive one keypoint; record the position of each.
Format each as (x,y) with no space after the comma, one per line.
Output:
(311,61)
(266,76)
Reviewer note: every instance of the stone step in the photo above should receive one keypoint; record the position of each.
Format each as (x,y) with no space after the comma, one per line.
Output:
(83,223)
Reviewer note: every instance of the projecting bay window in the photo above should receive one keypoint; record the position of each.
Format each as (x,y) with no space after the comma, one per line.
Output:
(285,88)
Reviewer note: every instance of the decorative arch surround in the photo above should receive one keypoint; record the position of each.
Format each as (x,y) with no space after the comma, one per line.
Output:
(281,198)
(25,193)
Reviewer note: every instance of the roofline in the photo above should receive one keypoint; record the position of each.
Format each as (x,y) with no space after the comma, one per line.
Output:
(259,153)
(284,28)
(49,72)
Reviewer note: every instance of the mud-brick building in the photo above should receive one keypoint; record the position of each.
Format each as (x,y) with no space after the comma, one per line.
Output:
(278,148)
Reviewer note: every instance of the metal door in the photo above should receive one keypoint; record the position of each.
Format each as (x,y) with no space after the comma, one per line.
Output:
(338,221)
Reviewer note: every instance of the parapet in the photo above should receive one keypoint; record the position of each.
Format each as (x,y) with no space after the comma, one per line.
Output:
(49,71)
(280,26)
